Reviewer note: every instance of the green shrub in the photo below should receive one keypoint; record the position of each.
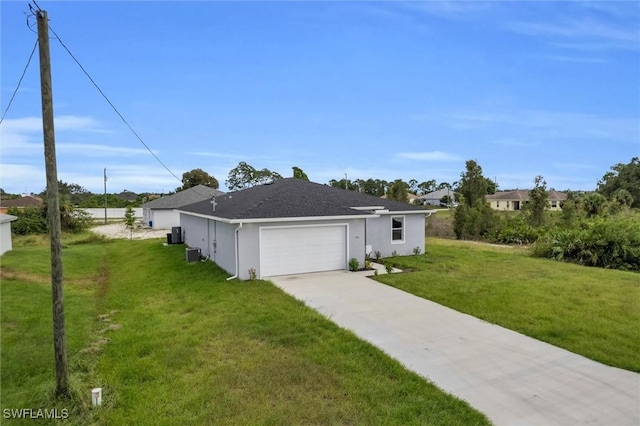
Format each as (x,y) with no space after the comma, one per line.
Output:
(354,265)
(388,267)
(607,243)
(30,221)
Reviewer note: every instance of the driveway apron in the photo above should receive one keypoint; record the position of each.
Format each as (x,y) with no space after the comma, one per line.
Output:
(512,378)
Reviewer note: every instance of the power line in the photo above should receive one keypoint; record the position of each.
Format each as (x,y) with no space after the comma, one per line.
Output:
(19,81)
(113,106)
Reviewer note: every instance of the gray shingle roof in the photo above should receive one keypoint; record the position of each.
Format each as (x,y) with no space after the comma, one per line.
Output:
(183,198)
(292,197)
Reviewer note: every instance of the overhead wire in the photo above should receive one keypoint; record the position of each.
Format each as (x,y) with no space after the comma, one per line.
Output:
(86,73)
(124,120)
(24,71)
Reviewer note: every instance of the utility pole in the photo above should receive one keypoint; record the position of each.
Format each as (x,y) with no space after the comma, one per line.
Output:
(105,195)
(53,207)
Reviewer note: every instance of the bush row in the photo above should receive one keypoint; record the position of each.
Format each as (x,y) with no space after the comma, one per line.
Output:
(600,242)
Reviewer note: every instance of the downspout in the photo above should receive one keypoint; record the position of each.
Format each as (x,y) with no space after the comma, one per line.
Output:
(237,254)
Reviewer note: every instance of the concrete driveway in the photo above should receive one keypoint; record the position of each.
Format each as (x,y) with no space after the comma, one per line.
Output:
(512,378)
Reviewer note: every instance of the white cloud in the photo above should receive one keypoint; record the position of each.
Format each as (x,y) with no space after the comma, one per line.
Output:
(582,34)
(428,156)
(19,178)
(61,122)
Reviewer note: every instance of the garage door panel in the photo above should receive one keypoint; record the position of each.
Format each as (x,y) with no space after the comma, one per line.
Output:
(302,249)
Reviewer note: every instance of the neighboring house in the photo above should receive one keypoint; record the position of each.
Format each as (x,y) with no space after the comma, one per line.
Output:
(412,198)
(515,200)
(5,232)
(433,198)
(20,203)
(160,213)
(294,226)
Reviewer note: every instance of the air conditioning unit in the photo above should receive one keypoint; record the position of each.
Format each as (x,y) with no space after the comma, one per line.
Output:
(176,235)
(193,254)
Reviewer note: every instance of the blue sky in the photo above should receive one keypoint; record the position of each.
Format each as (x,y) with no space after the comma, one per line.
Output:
(381,90)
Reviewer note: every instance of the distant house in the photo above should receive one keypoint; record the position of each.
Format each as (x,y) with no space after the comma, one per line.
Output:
(433,198)
(294,226)
(515,200)
(127,196)
(160,213)
(5,232)
(413,198)
(20,203)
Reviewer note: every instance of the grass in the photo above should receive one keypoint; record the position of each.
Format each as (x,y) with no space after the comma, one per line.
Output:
(590,311)
(171,342)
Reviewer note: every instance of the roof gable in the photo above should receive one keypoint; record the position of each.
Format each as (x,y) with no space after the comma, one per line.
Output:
(183,198)
(290,197)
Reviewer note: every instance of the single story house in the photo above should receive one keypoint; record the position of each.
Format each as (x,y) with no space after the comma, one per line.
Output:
(20,203)
(433,198)
(515,200)
(5,232)
(161,214)
(411,198)
(293,226)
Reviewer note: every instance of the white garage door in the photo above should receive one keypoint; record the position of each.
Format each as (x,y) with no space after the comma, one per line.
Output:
(302,249)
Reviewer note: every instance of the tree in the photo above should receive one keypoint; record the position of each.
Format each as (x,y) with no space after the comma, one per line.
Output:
(427,187)
(75,193)
(197,177)
(491,187)
(413,186)
(376,187)
(538,203)
(622,176)
(622,198)
(398,191)
(443,185)
(129,220)
(473,186)
(299,174)
(245,176)
(593,203)
(344,184)
(473,218)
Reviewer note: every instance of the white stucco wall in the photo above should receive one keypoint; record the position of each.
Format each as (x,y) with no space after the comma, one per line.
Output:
(162,219)
(113,213)
(379,235)
(5,237)
(217,240)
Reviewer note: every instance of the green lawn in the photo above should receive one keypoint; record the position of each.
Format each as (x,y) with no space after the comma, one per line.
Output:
(590,311)
(175,343)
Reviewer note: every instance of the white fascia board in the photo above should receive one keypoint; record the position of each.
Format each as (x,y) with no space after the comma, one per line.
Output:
(206,216)
(277,219)
(399,212)
(300,219)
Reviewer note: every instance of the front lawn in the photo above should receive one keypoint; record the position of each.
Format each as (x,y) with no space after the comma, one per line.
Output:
(590,311)
(175,343)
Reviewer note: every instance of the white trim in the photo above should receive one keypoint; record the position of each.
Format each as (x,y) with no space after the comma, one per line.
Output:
(346,230)
(278,219)
(206,216)
(402,212)
(404,229)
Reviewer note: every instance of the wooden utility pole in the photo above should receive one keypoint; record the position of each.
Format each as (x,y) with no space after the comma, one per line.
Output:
(53,208)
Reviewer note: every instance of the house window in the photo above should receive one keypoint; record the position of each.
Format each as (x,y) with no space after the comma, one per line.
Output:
(554,204)
(497,204)
(507,205)
(397,229)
